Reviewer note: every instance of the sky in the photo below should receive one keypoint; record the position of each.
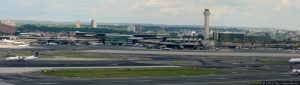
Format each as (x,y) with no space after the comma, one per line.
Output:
(282,14)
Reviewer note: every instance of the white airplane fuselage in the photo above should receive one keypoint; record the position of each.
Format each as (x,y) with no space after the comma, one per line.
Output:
(295,71)
(21,58)
(293,62)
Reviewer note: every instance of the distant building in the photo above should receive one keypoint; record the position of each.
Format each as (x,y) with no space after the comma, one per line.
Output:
(6,29)
(131,28)
(189,33)
(8,22)
(118,39)
(232,37)
(94,23)
(30,35)
(229,37)
(78,24)
(138,28)
(258,38)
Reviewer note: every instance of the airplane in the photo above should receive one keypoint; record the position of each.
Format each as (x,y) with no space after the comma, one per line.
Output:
(12,42)
(294,61)
(24,58)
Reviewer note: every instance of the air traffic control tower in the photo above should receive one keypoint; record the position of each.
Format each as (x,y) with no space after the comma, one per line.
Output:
(206,25)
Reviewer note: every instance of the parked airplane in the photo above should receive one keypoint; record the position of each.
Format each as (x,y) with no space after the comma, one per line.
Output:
(24,58)
(12,42)
(293,62)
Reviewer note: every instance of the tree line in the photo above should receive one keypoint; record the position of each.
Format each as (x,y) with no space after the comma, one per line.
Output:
(28,27)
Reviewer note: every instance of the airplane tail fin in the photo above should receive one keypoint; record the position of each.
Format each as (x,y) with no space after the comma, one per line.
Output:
(36,54)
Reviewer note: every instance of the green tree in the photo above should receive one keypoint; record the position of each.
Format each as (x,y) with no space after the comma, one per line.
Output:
(28,27)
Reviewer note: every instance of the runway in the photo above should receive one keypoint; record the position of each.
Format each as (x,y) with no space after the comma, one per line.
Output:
(168,80)
(69,63)
(37,79)
(16,70)
(242,64)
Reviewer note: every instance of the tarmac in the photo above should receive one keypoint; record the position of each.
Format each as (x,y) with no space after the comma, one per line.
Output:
(234,79)
(242,64)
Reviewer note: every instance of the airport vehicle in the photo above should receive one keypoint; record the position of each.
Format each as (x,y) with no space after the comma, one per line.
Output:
(166,48)
(51,43)
(293,62)
(24,58)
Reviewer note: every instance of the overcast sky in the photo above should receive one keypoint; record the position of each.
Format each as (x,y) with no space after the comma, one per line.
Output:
(283,14)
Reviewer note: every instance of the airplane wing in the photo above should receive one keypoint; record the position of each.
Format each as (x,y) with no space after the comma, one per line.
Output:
(11,58)
(14,58)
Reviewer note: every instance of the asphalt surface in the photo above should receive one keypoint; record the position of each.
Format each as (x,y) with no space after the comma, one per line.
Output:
(272,73)
(241,62)
(167,80)
(76,48)
(69,63)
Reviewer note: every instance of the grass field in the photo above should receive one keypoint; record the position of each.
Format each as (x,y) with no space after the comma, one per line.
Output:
(77,55)
(114,57)
(273,61)
(132,72)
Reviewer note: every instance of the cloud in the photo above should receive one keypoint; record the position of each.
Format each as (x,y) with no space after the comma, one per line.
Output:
(223,10)
(284,4)
(38,18)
